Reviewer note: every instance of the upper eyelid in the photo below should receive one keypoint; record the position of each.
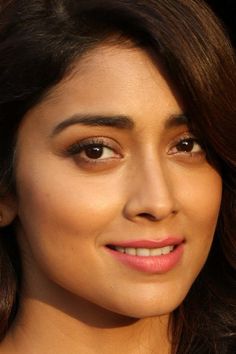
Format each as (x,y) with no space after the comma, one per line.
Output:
(113,143)
(91,140)
(188,135)
(104,141)
(185,136)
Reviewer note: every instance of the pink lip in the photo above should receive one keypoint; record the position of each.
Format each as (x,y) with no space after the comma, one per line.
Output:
(150,264)
(168,241)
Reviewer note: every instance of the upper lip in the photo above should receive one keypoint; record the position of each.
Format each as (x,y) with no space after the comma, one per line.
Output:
(151,243)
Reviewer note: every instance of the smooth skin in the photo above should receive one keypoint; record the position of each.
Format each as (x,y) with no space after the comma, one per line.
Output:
(150,181)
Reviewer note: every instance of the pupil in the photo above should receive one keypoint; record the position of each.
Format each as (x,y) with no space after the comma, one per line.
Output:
(186,145)
(94,151)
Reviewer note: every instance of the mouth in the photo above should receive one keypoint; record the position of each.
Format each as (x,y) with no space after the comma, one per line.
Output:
(148,256)
(143,252)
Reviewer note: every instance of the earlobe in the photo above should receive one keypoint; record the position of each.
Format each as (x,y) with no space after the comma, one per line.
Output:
(8,211)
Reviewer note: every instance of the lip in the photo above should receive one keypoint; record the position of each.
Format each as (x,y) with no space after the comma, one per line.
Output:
(167,241)
(150,264)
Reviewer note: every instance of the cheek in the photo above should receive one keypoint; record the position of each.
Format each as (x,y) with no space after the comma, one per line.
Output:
(66,202)
(64,218)
(199,196)
(199,200)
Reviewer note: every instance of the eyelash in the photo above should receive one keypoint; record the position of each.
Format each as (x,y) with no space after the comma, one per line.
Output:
(102,143)
(189,139)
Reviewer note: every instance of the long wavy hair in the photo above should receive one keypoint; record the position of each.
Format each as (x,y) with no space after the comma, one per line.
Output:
(40,40)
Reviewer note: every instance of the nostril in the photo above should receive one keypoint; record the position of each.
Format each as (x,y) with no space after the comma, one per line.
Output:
(148,216)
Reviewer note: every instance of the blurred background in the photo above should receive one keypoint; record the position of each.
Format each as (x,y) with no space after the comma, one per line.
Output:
(226,11)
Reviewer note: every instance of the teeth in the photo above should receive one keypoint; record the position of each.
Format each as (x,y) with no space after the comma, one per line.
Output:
(155,252)
(120,249)
(166,250)
(145,252)
(131,251)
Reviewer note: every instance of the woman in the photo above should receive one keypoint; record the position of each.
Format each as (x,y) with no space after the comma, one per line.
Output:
(117,178)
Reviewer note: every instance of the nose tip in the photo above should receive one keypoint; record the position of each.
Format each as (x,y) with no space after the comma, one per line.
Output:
(155,212)
(151,198)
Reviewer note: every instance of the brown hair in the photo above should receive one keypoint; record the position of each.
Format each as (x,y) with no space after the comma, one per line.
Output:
(40,40)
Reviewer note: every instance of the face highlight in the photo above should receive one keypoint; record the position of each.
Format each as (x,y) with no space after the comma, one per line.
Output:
(108,161)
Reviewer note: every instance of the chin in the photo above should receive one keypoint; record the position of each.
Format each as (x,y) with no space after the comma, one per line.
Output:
(141,313)
(144,309)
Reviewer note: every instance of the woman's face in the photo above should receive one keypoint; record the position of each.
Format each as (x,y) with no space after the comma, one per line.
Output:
(117,204)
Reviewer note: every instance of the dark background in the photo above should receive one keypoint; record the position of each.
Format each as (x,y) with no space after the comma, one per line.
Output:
(226,11)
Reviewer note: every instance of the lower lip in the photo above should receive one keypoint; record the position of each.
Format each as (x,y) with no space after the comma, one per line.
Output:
(151,264)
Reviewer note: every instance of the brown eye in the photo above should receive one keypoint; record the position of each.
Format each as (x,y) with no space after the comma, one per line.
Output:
(186,145)
(94,151)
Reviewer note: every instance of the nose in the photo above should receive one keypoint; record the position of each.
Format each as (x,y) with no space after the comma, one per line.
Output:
(151,193)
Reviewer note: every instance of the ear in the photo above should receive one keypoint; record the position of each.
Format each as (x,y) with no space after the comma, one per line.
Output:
(8,210)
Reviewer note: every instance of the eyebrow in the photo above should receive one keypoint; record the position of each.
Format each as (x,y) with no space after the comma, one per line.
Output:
(114,121)
(176,120)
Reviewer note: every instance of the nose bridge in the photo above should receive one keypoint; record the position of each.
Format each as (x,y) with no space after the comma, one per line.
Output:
(150,191)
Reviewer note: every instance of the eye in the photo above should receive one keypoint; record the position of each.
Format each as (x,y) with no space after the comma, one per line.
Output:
(187,145)
(94,150)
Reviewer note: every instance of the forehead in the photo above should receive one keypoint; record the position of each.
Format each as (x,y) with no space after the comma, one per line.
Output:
(110,80)
(111,68)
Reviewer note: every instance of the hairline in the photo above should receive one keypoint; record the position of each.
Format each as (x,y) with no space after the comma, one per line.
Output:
(114,40)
